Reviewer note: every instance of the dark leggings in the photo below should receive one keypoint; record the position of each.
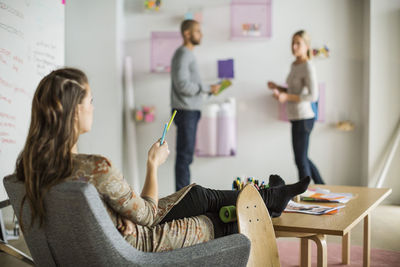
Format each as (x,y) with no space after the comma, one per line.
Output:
(204,201)
(301,130)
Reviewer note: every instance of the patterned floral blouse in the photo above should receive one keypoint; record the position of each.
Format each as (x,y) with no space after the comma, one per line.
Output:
(121,201)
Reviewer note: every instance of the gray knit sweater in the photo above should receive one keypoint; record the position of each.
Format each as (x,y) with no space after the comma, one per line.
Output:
(302,81)
(187,90)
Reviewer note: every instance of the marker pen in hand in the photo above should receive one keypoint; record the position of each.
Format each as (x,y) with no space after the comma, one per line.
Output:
(163,135)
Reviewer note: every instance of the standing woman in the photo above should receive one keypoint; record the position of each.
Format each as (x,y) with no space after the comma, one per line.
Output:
(301,92)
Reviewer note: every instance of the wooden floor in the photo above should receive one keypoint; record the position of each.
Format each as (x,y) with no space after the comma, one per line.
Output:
(385,221)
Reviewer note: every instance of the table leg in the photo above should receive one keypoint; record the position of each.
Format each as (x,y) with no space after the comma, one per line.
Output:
(346,248)
(305,252)
(367,241)
(322,257)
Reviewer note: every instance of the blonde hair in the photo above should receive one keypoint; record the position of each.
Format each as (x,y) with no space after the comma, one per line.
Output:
(306,37)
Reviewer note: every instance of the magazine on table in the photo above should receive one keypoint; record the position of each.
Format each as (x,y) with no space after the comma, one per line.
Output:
(311,209)
(324,195)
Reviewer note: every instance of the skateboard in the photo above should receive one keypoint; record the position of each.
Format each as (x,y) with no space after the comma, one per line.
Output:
(255,223)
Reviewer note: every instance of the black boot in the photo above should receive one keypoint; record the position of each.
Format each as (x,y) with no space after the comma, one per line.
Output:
(277,198)
(275,181)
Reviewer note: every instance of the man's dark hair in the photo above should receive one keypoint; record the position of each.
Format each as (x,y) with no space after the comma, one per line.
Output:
(187,25)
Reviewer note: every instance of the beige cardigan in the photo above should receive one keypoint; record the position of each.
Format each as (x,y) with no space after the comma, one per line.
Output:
(120,200)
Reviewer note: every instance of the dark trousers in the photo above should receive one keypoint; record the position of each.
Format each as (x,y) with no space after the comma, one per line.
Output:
(301,130)
(205,201)
(186,122)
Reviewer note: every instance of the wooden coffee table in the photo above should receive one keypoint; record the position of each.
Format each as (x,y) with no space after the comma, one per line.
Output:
(316,227)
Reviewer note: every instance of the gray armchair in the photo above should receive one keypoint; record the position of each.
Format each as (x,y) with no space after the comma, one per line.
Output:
(78,232)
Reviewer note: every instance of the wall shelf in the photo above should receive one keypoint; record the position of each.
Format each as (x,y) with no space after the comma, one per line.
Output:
(163,46)
(251,20)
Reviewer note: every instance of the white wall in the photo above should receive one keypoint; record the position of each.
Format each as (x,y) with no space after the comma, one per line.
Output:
(384,91)
(264,144)
(93,43)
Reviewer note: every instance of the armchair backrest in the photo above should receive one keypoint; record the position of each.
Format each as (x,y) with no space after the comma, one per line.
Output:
(77,229)
(34,237)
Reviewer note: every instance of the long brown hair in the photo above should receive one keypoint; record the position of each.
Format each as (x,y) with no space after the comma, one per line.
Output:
(46,158)
(306,37)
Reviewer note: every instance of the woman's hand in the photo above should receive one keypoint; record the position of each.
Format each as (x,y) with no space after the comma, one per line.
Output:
(125,226)
(272,85)
(276,94)
(280,96)
(158,154)
(283,97)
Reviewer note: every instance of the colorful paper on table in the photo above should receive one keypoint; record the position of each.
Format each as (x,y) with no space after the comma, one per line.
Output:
(322,195)
(224,84)
(311,209)
(172,118)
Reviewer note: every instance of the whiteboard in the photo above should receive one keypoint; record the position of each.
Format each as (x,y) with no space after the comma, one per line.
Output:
(31,45)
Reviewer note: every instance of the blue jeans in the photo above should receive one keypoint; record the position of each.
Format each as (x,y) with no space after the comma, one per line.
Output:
(186,122)
(301,130)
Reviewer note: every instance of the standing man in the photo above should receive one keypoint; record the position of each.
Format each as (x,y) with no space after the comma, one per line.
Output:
(187,98)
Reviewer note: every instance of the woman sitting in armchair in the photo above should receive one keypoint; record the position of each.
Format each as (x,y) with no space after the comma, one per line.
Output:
(62,110)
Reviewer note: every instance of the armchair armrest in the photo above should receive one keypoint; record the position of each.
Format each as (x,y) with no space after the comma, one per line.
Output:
(225,251)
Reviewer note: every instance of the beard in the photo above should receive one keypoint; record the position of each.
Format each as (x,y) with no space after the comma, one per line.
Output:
(194,41)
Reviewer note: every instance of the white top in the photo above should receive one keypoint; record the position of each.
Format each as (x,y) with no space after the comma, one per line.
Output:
(302,81)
